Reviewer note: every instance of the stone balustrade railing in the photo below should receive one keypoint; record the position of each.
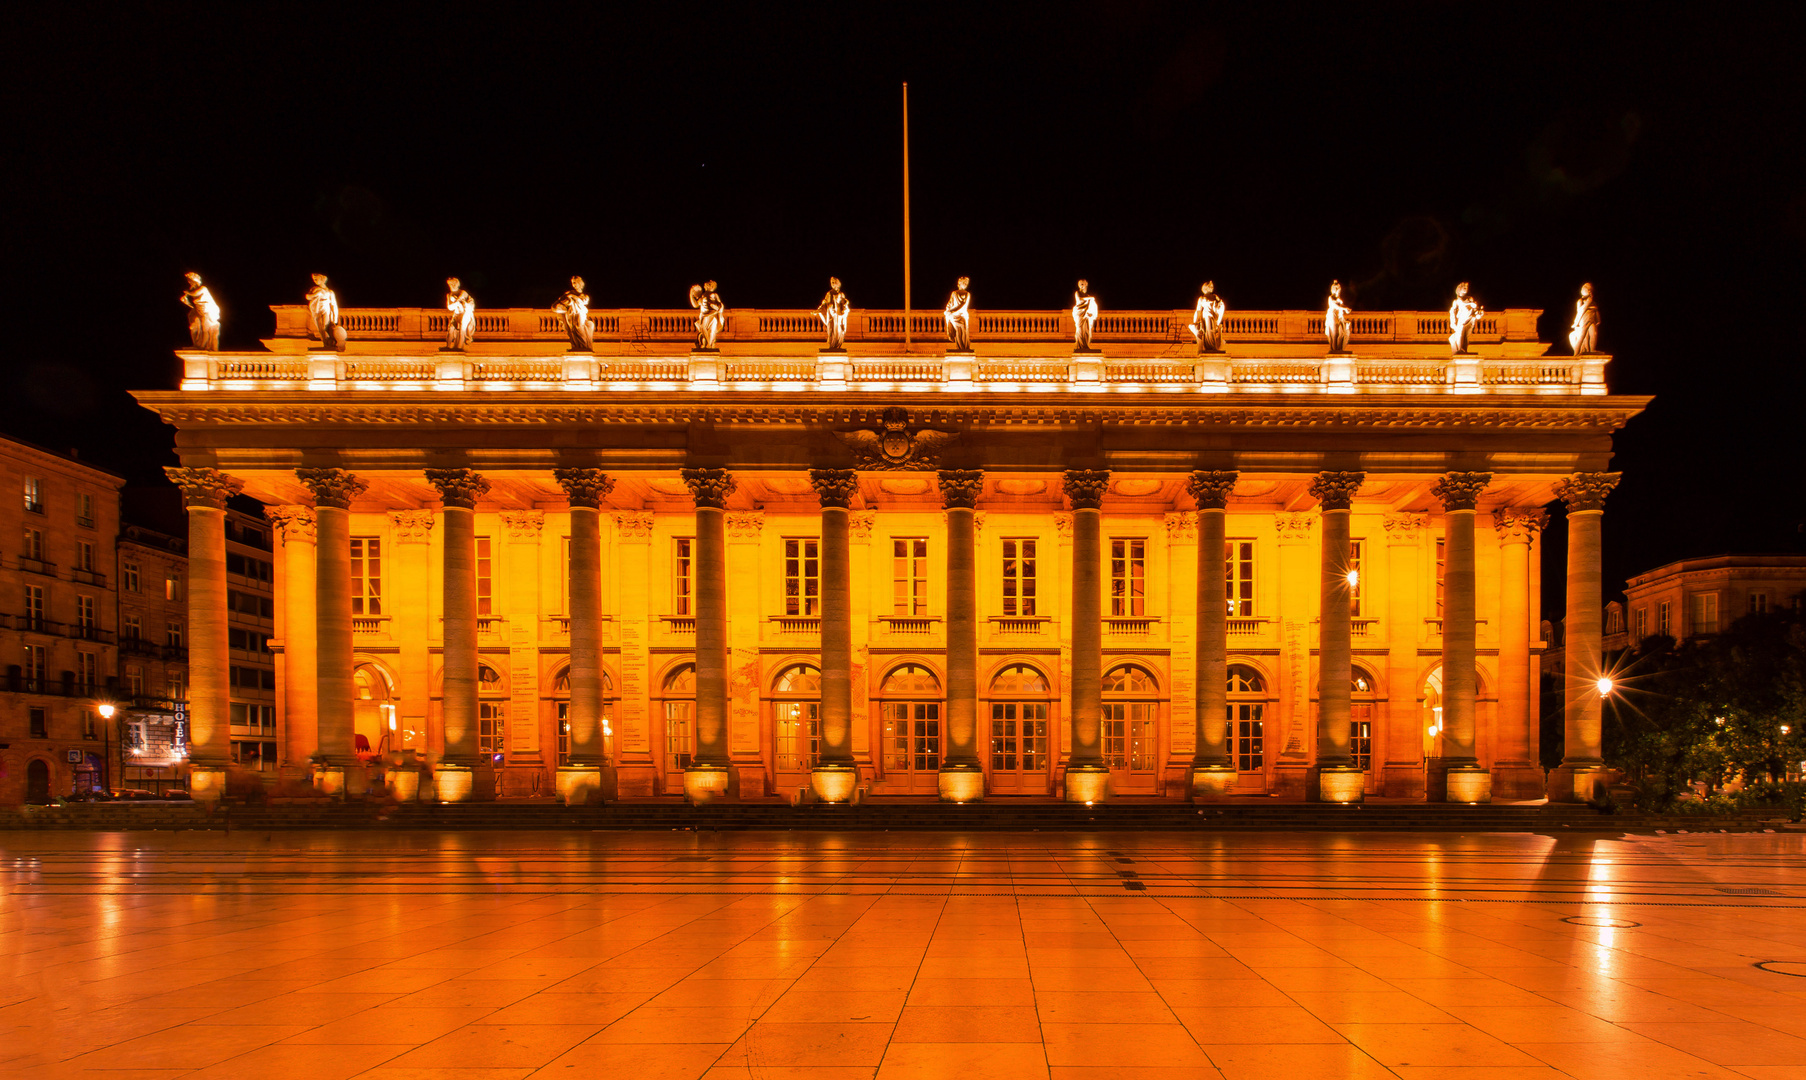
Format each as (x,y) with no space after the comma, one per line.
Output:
(459,371)
(751,324)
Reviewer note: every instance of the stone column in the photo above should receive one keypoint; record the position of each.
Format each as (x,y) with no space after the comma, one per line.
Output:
(708,775)
(333,490)
(579,781)
(1404,768)
(1516,773)
(835,777)
(301,722)
(1087,777)
(1339,780)
(459,490)
(205,492)
(962,778)
(1467,780)
(1581,776)
(1212,771)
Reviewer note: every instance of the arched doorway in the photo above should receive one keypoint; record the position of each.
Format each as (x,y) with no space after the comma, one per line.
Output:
(1020,760)
(1247,728)
(1431,713)
(561,711)
(37,781)
(1131,729)
(373,711)
(678,698)
(1360,726)
(910,706)
(492,715)
(795,724)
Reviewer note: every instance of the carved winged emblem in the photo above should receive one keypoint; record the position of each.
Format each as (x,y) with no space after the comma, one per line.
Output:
(895,446)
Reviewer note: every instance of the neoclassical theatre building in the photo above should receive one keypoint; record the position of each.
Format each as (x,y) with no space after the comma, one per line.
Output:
(521,568)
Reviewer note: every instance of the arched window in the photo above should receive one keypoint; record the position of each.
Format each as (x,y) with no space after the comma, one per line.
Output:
(373,713)
(1247,725)
(492,712)
(561,692)
(796,716)
(911,711)
(679,696)
(1019,709)
(1130,707)
(1360,719)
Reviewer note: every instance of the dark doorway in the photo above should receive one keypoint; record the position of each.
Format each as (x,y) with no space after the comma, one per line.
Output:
(37,782)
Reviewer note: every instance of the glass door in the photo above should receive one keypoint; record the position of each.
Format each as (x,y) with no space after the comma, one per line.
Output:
(1019,747)
(912,746)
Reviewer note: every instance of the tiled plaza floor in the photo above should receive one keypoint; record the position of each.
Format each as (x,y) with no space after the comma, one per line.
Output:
(142,956)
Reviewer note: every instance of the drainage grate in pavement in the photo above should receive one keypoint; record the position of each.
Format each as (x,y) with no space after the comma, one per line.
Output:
(1748,891)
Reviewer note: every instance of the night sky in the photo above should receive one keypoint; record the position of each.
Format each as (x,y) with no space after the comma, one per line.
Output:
(1653,150)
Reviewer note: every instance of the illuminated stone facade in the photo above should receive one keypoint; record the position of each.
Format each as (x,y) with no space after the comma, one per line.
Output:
(938,510)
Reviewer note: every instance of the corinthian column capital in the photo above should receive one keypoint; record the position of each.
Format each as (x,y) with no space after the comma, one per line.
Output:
(1085,488)
(332,487)
(586,487)
(1586,490)
(295,524)
(1518,526)
(1460,490)
(834,487)
(204,487)
(961,488)
(710,487)
(1336,490)
(458,487)
(1212,488)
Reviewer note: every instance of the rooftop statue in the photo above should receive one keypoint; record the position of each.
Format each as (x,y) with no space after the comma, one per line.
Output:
(959,317)
(462,328)
(1583,336)
(323,315)
(1084,316)
(1207,320)
(203,314)
(711,314)
(1463,314)
(574,306)
(1335,319)
(833,314)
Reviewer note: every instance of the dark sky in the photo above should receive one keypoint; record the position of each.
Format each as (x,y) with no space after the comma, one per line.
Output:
(1654,150)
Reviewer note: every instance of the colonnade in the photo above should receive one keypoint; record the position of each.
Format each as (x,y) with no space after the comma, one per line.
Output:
(320,714)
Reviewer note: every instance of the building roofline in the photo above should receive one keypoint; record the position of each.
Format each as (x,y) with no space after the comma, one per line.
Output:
(66,458)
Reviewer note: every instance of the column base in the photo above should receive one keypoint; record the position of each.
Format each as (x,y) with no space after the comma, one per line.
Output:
(579,785)
(329,780)
(404,785)
(1337,784)
(706,783)
(453,783)
(1469,784)
(1517,780)
(1087,784)
(206,784)
(1582,782)
(1212,783)
(834,783)
(962,784)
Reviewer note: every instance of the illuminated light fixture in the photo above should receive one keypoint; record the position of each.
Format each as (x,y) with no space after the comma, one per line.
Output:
(1785,729)
(1719,720)
(105,710)
(1354,579)
(1604,684)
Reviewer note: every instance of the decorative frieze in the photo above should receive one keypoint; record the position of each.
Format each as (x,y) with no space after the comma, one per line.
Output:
(1085,488)
(1405,528)
(745,525)
(1336,490)
(710,487)
(894,444)
(332,487)
(961,488)
(412,526)
(1294,527)
(1063,524)
(523,524)
(1519,526)
(834,487)
(1212,488)
(204,487)
(1460,490)
(1586,490)
(293,523)
(458,487)
(585,487)
(633,524)
(860,522)
(1182,525)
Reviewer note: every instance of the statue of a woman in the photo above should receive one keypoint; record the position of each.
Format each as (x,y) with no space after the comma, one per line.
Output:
(323,315)
(959,317)
(574,306)
(1583,335)
(462,328)
(1336,314)
(711,314)
(1463,314)
(1207,320)
(833,311)
(203,314)
(1084,316)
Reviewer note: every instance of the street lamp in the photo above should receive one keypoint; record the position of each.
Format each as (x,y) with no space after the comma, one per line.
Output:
(1604,685)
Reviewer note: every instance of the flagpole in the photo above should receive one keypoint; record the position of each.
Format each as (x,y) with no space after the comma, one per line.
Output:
(907,318)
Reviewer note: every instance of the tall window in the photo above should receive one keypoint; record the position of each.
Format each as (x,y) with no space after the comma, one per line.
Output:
(485,578)
(1128,577)
(176,680)
(172,585)
(1357,552)
(909,576)
(128,576)
(492,712)
(1018,727)
(1639,619)
(1247,704)
(1238,574)
(680,717)
(172,635)
(1019,577)
(87,671)
(1441,566)
(1705,613)
(84,614)
(36,663)
(1758,603)
(134,681)
(1360,721)
(366,575)
(34,545)
(34,607)
(802,577)
(1664,619)
(911,710)
(84,556)
(1130,704)
(796,711)
(84,509)
(40,723)
(34,494)
(683,576)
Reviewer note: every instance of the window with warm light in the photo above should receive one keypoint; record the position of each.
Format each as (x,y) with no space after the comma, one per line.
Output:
(910,708)
(796,713)
(1357,577)
(802,576)
(683,576)
(909,576)
(1128,577)
(485,576)
(1246,720)
(1019,576)
(492,712)
(679,696)
(1238,576)
(366,575)
(1130,708)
